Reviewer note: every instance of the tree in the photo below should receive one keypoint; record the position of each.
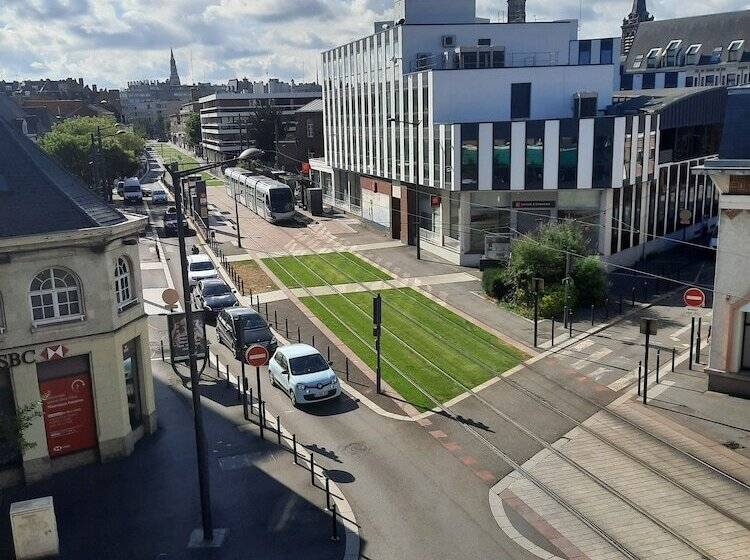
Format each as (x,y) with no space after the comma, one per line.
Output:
(69,142)
(193,129)
(263,127)
(542,254)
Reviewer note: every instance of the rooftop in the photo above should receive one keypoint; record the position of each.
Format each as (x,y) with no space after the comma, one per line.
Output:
(315,106)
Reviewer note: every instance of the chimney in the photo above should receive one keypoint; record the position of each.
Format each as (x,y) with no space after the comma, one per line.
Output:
(93,88)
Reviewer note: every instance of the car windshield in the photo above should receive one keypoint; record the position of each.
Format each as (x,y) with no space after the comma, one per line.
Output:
(258,334)
(201,265)
(281,200)
(308,364)
(213,290)
(132,188)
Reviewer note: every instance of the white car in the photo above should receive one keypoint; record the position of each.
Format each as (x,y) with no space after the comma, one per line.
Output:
(200,267)
(158,196)
(304,374)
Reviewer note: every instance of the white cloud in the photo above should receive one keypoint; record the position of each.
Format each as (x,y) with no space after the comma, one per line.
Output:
(109,42)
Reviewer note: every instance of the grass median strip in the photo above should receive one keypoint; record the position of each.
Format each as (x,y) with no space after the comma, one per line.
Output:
(322,269)
(184,161)
(422,339)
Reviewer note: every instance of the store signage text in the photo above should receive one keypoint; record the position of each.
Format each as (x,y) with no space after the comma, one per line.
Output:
(15,359)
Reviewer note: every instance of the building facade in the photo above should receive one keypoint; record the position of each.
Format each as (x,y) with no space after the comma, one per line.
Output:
(74,343)
(225,118)
(729,360)
(708,50)
(303,139)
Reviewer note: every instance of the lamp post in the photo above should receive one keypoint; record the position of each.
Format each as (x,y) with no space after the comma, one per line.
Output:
(97,152)
(537,285)
(176,177)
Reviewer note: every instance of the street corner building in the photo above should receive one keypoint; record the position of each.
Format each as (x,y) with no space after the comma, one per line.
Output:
(74,347)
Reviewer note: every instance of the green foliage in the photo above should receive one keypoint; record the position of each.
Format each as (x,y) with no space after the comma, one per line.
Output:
(193,128)
(542,254)
(13,428)
(70,143)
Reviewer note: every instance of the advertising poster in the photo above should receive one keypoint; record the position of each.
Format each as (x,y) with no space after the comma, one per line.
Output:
(178,341)
(68,414)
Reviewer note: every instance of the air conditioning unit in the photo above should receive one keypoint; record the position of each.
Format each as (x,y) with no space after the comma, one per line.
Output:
(449,40)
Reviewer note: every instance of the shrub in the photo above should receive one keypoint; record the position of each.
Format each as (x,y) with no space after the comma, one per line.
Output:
(552,303)
(495,282)
(589,282)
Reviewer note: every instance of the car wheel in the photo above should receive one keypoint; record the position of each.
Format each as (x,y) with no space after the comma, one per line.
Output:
(293,398)
(271,378)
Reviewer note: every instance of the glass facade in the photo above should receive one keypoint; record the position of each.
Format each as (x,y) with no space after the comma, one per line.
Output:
(534,155)
(602,156)
(567,174)
(501,156)
(469,156)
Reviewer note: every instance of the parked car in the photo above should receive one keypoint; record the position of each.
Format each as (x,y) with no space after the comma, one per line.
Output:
(159,196)
(200,267)
(240,327)
(304,374)
(170,221)
(213,295)
(132,191)
(120,187)
(146,192)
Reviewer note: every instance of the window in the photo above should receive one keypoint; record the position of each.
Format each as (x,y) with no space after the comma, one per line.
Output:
(605,53)
(672,53)
(501,156)
(498,59)
(584,52)
(310,129)
(638,61)
(468,60)
(469,156)
(534,154)
(484,42)
(716,55)
(55,296)
(670,80)
(568,168)
(652,58)
(733,52)
(649,80)
(520,101)
(691,54)
(603,144)
(130,367)
(123,283)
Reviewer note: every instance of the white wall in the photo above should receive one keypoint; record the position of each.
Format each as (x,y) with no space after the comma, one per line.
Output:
(376,207)
(484,95)
(435,11)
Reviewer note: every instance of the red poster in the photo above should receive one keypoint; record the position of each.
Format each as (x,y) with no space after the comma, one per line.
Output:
(68,414)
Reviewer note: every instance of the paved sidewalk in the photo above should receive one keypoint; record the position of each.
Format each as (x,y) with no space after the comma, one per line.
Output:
(146,506)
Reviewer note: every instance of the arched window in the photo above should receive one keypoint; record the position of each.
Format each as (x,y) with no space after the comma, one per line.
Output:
(123,283)
(55,295)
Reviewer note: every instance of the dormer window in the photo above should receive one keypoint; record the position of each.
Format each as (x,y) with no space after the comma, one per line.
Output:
(638,61)
(716,55)
(672,53)
(652,58)
(692,53)
(734,52)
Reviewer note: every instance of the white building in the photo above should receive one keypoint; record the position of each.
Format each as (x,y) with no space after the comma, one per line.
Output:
(469,128)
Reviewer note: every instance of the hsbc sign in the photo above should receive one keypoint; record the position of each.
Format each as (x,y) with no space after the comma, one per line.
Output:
(15,359)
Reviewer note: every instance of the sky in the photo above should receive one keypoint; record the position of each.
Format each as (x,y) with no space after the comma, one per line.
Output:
(111,42)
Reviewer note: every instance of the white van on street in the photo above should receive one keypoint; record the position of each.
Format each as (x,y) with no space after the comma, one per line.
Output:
(132,191)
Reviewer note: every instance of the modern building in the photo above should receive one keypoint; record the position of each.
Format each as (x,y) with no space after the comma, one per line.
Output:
(303,138)
(226,118)
(708,50)
(74,341)
(729,360)
(630,25)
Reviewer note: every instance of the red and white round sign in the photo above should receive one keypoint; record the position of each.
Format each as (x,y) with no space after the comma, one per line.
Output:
(256,355)
(694,297)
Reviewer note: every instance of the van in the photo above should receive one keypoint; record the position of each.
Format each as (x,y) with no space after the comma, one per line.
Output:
(132,191)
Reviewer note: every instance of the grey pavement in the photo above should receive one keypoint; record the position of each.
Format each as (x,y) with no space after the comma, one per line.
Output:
(147,506)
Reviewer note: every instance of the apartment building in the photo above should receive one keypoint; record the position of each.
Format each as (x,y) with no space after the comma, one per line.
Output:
(712,49)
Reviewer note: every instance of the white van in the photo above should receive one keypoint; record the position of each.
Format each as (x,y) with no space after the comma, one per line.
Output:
(132,191)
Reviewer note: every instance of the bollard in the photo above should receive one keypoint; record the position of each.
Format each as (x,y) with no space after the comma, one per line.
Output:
(640,367)
(162,351)
(239,386)
(328,353)
(294,448)
(709,332)
(251,294)
(565,316)
(275,320)
(229,383)
(645,291)
(606,309)
(250,398)
(633,295)
(313,341)
(570,326)
(278,429)
(266,311)
(592,314)
(286,327)
(673,356)
(328,494)
(553,331)
(347,368)
(257,303)
(261,423)
(658,363)
(697,349)
(334,528)
(299,335)
(312,469)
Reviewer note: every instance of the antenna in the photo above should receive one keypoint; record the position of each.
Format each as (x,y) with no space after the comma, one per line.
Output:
(580,11)
(192,76)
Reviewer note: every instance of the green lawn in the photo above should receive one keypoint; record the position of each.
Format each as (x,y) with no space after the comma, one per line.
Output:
(169,154)
(322,269)
(423,327)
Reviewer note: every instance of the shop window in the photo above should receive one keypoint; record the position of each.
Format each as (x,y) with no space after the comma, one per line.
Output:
(469,156)
(55,295)
(123,283)
(131,369)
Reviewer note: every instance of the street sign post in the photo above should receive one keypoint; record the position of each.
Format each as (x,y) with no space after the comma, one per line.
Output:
(694,297)
(377,320)
(649,328)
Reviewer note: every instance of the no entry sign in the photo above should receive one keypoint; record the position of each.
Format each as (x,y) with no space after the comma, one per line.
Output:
(256,355)
(694,297)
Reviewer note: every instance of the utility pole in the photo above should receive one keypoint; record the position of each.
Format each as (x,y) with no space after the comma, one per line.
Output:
(377,319)
(566,282)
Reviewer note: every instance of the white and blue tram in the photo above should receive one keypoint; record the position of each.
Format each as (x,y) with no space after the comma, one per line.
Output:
(271,200)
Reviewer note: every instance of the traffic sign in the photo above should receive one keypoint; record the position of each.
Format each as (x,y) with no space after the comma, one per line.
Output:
(694,297)
(256,355)
(170,296)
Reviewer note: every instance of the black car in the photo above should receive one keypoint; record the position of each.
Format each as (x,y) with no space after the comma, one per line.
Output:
(170,221)
(240,327)
(212,296)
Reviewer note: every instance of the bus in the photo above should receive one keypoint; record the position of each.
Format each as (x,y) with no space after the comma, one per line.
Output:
(271,200)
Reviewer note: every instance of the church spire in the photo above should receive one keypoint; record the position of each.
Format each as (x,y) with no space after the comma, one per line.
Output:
(637,14)
(174,77)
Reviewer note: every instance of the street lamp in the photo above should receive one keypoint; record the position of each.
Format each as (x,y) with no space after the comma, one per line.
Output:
(176,177)
(537,285)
